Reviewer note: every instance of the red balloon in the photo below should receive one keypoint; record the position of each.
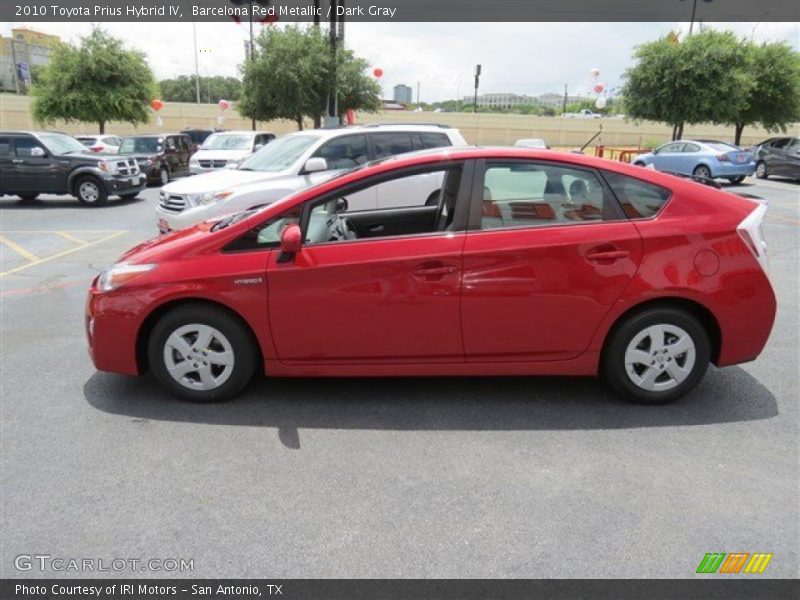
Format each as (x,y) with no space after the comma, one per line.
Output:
(223,104)
(156,104)
(599,88)
(378,72)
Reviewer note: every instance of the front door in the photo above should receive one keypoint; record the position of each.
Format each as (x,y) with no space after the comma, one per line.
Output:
(668,158)
(552,252)
(385,288)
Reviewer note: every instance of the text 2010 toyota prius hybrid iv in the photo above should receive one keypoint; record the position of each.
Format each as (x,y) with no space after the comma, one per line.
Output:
(530,263)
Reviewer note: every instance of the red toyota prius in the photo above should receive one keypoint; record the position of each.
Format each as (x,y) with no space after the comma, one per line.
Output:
(530,263)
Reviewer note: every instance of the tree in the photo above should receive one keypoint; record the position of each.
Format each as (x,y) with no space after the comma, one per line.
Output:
(291,75)
(95,82)
(212,89)
(705,78)
(773,100)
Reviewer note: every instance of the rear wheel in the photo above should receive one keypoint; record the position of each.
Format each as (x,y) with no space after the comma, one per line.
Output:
(736,180)
(28,197)
(90,191)
(761,170)
(202,354)
(656,356)
(702,171)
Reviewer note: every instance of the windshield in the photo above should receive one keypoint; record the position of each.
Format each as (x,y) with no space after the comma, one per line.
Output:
(141,145)
(280,154)
(228,141)
(58,143)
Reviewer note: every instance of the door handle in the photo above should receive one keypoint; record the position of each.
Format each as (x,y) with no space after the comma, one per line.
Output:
(377,228)
(607,255)
(434,271)
(17,161)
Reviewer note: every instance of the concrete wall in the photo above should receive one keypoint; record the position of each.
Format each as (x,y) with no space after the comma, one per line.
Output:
(486,128)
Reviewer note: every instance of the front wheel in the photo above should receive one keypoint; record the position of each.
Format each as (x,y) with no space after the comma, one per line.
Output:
(761,170)
(202,354)
(163,176)
(702,171)
(90,191)
(656,356)
(736,180)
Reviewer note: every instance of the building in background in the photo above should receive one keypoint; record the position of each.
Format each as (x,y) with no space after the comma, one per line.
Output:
(507,100)
(25,50)
(403,94)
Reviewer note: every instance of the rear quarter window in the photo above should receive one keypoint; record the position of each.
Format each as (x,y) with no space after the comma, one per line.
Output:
(423,141)
(639,199)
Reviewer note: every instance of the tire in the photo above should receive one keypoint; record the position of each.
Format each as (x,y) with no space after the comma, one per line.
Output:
(670,374)
(90,191)
(702,171)
(736,180)
(29,197)
(163,175)
(761,170)
(221,333)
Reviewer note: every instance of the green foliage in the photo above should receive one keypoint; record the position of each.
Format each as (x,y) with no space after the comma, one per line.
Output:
(212,89)
(774,99)
(702,79)
(95,82)
(291,75)
(715,77)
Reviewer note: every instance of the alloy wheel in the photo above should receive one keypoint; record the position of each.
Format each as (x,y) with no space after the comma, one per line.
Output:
(660,357)
(199,357)
(89,192)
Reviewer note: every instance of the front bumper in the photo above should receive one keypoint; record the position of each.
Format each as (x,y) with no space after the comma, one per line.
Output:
(127,184)
(112,323)
(169,220)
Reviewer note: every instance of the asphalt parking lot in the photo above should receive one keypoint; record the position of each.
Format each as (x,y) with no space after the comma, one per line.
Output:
(499,477)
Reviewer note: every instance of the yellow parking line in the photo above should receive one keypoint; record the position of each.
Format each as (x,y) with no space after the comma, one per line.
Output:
(18,249)
(61,254)
(68,236)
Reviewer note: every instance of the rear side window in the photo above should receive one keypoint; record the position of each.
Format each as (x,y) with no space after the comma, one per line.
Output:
(5,146)
(423,141)
(389,144)
(639,199)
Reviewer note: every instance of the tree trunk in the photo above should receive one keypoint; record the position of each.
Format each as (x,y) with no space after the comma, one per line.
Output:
(299,119)
(680,131)
(738,136)
(102,125)
(317,121)
(674,131)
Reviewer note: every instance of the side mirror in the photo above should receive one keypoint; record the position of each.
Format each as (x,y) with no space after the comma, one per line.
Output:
(291,240)
(257,147)
(315,165)
(38,152)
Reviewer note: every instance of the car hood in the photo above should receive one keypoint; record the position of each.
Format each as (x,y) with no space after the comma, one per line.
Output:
(220,154)
(219,180)
(163,246)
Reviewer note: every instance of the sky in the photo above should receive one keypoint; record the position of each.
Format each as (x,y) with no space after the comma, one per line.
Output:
(522,58)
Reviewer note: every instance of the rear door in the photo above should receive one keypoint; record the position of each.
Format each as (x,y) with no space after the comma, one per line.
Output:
(548,253)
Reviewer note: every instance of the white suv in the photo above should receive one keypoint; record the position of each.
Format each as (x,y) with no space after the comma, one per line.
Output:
(298,161)
(227,149)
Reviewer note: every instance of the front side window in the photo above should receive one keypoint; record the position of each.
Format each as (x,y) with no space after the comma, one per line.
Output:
(639,199)
(28,148)
(522,194)
(670,148)
(344,152)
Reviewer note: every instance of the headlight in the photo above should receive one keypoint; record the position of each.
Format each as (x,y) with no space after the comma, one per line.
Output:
(107,167)
(120,274)
(194,162)
(209,198)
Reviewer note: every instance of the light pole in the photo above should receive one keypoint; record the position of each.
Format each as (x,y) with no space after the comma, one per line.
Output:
(477,82)
(196,64)
(418,103)
(694,12)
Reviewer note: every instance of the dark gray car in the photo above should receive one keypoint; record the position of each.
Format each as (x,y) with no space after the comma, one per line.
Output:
(778,156)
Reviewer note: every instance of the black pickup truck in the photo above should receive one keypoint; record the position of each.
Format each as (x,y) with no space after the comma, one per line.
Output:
(40,162)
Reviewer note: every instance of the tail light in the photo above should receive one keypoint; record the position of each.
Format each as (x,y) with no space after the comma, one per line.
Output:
(723,158)
(96,148)
(751,230)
